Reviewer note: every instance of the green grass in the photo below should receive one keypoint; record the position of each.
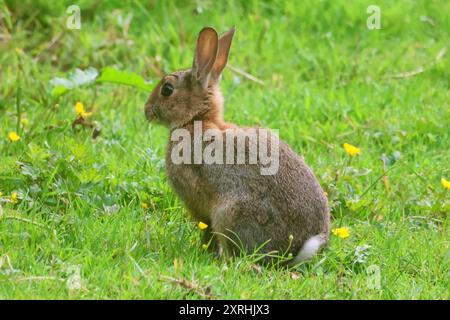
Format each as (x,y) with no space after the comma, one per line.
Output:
(326,82)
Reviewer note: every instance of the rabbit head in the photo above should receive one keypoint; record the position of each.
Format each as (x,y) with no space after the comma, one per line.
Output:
(189,95)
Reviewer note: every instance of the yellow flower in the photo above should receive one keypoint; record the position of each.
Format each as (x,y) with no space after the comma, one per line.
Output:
(202,225)
(445,183)
(13,137)
(1,194)
(341,232)
(144,205)
(351,150)
(14,197)
(79,108)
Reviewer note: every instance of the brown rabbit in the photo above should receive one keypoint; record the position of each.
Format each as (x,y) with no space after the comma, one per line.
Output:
(286,212)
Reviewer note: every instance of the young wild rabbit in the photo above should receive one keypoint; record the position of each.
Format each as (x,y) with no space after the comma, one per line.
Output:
(284,212)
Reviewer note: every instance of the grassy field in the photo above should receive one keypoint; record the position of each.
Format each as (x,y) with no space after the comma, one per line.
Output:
(95,218)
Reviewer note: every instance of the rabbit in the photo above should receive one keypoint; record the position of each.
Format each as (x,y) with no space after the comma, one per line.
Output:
(285,213)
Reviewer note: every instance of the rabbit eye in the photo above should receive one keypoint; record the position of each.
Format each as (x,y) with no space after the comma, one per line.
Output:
(167,89)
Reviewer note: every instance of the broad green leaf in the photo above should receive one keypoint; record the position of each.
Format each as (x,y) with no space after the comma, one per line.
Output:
(58,91)
(75,79)
(89,76)
(112,75)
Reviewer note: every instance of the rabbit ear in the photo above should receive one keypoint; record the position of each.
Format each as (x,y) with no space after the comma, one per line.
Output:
(205,55)
(222,55)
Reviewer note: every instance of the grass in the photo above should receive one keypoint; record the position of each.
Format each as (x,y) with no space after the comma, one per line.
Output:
(78,229)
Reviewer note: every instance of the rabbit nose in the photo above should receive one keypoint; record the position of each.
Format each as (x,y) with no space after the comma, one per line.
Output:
(151,112)
(148,111)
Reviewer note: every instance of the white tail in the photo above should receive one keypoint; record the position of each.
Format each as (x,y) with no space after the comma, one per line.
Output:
(310,248)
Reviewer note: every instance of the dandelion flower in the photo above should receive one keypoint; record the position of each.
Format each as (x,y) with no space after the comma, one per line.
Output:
(351,150)
(202,225)
(341,232)
(81,112)
(445,183)
(13,137)
(79,108)
(144,205)
(14,197)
